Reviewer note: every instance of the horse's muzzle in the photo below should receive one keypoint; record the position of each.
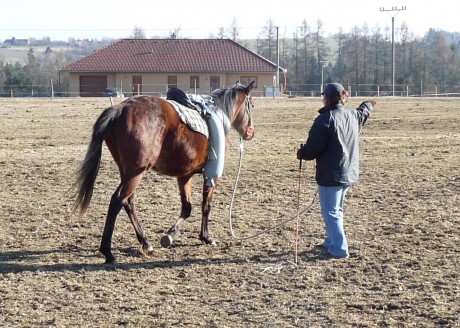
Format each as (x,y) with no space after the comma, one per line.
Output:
(249,134)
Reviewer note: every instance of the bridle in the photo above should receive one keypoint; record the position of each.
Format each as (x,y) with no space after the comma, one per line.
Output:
(248,104)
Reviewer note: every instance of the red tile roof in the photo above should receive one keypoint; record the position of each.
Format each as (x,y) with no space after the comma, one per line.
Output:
(173,55)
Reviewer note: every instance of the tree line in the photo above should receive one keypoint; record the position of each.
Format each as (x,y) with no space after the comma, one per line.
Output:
(39,76)
(361,59)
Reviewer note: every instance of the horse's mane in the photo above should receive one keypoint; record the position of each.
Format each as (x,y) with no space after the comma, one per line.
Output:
(224,98)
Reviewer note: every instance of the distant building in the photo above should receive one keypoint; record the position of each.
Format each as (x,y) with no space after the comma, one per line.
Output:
(151,66)
(15,42)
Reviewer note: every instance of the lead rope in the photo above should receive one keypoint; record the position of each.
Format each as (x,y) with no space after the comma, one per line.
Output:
(230,222)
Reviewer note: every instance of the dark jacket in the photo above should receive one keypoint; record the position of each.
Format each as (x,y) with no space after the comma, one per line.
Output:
(333,141)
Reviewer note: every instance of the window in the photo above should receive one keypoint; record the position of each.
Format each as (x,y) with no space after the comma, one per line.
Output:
(248,79)
(194,81)
(172,82)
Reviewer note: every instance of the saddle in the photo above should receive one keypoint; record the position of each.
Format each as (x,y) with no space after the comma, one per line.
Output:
(197,113)
(180,97)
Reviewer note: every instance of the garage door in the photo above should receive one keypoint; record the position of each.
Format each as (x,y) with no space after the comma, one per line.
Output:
(92,85)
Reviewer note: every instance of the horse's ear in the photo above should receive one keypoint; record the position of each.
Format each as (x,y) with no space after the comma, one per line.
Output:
(250,87)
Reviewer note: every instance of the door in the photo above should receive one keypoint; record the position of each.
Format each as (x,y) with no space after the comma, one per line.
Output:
(137,85)
(214,82)
(92,85)
(172,82)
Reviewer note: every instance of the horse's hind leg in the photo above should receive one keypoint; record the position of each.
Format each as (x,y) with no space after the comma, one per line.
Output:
(141,237)
(185,189)
(106,242)
(122,197)
(208,192)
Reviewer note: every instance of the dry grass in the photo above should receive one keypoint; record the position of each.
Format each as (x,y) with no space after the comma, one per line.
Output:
(402,222)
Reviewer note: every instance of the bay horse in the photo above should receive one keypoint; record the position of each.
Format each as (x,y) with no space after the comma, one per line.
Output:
(145,133)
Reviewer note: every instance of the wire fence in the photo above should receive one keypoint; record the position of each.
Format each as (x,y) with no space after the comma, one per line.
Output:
(377,90)
(298,90)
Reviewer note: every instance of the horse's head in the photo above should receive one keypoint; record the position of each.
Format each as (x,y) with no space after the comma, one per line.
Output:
(237,103)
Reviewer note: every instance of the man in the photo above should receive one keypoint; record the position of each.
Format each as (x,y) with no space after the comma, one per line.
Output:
(333,141)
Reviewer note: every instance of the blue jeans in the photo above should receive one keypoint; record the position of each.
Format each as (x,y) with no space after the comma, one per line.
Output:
(331,200)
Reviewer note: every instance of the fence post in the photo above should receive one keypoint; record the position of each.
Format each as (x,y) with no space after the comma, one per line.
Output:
(421,88)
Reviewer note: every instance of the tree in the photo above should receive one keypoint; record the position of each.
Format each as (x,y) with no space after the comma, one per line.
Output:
(320,47)
(32,69)
(339,38)
(234,30)
(306,45)
(222,34)
(16,79)
(267,41)
(138,33)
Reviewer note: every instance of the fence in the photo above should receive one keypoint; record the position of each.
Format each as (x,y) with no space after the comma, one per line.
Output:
(298,90)
(375,90)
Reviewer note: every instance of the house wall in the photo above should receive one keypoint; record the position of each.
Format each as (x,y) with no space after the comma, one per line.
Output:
(157,84)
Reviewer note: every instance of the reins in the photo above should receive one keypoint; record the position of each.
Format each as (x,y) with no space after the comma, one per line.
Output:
(230,221)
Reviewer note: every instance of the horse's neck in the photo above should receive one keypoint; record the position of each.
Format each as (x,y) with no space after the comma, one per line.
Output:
(223,117)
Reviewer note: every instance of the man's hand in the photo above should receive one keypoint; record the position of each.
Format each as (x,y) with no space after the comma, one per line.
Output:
(299,154)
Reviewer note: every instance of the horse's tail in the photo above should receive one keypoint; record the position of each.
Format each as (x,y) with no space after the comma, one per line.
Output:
(89,168)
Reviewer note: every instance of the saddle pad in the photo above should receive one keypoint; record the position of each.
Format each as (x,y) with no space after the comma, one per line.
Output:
(191,117)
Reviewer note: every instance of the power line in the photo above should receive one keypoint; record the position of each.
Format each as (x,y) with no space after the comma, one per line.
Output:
(396,10)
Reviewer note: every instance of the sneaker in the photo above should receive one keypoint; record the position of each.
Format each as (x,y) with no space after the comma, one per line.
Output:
(329,256)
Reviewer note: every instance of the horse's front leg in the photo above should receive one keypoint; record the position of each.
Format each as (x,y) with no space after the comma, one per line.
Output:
(185,189)
(206,205)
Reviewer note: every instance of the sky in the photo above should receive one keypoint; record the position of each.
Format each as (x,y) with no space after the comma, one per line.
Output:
(97,19)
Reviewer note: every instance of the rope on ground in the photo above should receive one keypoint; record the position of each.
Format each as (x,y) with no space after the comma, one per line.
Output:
(230,221)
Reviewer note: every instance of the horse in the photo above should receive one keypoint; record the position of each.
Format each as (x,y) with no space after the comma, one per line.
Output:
(145,133)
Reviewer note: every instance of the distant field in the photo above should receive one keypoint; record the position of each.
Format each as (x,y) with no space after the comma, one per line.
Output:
(19,54)
(13,55)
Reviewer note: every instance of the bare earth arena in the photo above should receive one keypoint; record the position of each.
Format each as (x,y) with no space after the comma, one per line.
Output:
(402,222)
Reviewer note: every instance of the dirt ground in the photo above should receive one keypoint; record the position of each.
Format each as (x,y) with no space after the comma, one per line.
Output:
(402,222)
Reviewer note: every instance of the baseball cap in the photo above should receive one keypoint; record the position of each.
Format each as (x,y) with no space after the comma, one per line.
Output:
(333,89)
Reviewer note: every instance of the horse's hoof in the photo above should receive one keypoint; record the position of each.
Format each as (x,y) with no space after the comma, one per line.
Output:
(166,241)
(112,262)
(208,241)
(109,258)
(147,248)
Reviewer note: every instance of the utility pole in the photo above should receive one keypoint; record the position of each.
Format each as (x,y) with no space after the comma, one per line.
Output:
(277,58)
(322,62)
(396,10)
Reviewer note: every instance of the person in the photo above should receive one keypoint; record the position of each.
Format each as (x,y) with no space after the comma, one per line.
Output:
(333,141)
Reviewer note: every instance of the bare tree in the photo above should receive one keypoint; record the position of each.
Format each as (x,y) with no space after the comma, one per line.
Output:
(267,41)
(138,33)
(222,34)
(340,39)
(320,47)
(306,41)
(234,30)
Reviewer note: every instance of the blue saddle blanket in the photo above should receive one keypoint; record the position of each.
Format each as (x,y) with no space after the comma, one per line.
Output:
(192,117)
